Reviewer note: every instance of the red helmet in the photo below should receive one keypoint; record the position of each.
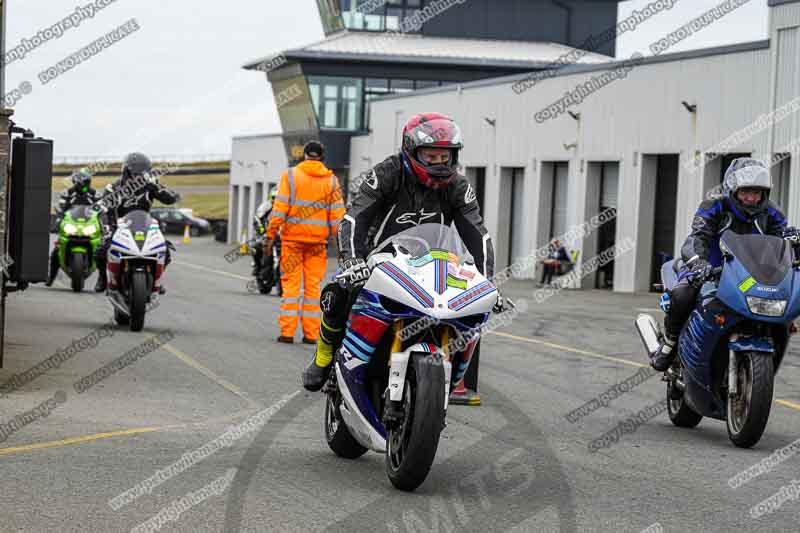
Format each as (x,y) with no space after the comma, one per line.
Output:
(431,130)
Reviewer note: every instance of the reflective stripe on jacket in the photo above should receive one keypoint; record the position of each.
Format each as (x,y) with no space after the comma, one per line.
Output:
(309,204)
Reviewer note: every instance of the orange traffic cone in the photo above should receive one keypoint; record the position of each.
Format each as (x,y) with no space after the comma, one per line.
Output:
(186,235)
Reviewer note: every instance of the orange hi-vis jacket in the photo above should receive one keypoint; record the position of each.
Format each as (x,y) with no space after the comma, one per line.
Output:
(309,205)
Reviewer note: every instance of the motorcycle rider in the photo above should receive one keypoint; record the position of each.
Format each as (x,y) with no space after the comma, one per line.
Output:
(80,193)
(134,190)
(260,223)
(743,208)
(419,185)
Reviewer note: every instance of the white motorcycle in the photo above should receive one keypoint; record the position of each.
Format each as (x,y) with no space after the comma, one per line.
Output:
(412,331)
(135,267)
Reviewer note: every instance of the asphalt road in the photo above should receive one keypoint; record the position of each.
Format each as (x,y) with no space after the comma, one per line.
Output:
(513,464)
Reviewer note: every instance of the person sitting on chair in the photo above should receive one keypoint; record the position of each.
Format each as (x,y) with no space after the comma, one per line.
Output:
(552,264)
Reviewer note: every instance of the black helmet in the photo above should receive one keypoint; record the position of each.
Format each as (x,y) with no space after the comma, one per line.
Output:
(747,173)
(136,164)
(82,180)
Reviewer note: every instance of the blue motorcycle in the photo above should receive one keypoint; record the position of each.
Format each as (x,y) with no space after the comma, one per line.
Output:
(732,345)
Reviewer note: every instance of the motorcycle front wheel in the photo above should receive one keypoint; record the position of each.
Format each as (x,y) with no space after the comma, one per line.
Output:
(139,291)
(411,444)
(749,411)
(77,270)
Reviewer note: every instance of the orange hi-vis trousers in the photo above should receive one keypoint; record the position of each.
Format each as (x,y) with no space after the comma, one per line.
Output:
(304,262)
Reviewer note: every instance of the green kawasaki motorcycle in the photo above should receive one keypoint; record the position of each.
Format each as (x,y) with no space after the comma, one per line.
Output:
(80,235)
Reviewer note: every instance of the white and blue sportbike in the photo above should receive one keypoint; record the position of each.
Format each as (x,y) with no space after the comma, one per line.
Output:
(410,335)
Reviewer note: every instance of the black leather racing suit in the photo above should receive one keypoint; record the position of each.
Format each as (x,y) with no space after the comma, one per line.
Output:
(712,218)
(391,200)
(122,198)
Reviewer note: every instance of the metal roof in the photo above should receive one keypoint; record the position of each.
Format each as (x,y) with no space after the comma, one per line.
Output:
(583,69)
(351,45)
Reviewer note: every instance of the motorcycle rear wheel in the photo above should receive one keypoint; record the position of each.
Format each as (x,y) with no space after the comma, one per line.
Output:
(339,439)
(411,444)
(680,413)
(748,413)
(77,270)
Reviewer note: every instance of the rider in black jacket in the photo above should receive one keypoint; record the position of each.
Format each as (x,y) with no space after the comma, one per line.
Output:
(135,190)
(744,208)
(80,193)
(420,185)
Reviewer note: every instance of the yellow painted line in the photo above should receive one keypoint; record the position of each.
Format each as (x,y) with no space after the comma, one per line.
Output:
(220,272)
(785,403)
(219,380)
(790,405)
(570,349)
(76,440)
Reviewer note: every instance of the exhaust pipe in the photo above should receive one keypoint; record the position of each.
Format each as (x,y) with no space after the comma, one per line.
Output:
(649,332)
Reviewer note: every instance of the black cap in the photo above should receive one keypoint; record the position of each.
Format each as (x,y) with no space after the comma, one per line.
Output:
(314,149)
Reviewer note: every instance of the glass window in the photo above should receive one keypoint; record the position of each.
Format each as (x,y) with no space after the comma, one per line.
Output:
(386,16)
(329,115)
(339,106)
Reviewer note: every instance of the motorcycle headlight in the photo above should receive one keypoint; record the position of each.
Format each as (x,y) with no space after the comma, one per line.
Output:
(766,307)
(89,230)
(70,229)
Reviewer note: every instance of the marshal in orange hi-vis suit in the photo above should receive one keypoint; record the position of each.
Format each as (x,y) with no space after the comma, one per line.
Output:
(306,212)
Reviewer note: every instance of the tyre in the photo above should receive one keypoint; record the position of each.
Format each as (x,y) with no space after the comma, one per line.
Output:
(77,270)
(140,290)
(194,231)
(680,413)
(336,433)
(121,318)
(749,411)
(411,444)
(264,281)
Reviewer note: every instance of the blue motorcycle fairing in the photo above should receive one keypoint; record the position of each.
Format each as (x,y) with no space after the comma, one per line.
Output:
(752,344)
(730,293)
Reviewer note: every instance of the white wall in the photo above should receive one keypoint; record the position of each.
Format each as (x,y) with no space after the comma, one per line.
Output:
(254,159)
(640,114)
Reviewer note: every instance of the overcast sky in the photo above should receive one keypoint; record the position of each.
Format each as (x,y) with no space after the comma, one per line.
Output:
(176,85)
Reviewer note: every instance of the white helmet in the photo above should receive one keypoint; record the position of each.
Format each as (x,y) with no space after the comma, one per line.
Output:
(747,173)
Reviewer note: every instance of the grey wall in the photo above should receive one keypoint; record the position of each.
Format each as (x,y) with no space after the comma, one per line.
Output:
(528,20)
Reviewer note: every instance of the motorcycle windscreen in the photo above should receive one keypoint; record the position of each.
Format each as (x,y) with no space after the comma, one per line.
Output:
(419,240)
(81,212)
(139,224)
(138,221)
(767,258)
